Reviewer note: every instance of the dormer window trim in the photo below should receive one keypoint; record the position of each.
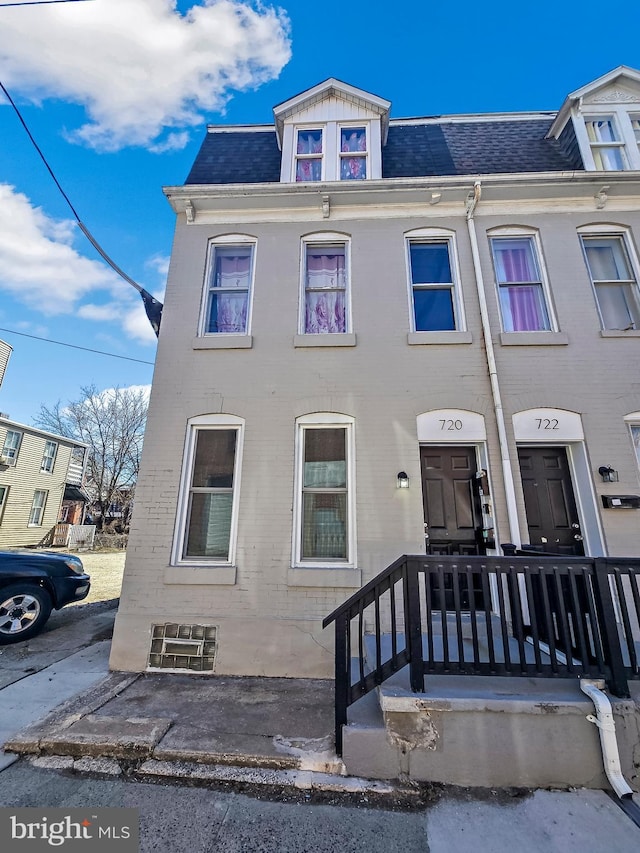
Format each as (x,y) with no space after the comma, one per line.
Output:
(342,158)
(624,137)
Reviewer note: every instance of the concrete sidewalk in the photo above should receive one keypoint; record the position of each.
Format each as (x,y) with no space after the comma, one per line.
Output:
(257,731)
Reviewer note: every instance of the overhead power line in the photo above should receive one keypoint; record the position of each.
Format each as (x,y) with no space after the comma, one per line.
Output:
(152,307)
(75,346)
(42,2)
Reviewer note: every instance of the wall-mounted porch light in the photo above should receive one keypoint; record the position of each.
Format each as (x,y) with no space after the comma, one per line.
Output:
(403,480)
(608,474)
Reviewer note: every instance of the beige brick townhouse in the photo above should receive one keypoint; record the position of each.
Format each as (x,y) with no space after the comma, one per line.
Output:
(383,336)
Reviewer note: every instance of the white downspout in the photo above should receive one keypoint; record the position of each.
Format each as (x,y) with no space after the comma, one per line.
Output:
(507,472)
(608,743)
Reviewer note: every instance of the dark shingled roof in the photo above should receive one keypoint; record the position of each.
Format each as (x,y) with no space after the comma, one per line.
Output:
(412,150)
(237,157)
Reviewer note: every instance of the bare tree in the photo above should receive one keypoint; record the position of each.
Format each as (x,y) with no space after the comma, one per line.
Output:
(112,423)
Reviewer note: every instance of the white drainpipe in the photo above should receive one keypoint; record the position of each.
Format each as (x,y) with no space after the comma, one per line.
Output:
(507,472)
(608,743)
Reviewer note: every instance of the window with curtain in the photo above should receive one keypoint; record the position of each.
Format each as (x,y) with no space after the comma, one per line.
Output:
(229,287)
(521,293)
(606,145)
(432,286)
(208,523)
(309,145)
(37,507)
(614,284)
(48,457)
(324,528)
(325,289)
(353,153)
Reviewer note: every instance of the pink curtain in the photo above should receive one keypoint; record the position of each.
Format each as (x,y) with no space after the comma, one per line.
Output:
(525,308)
(325,309)
(325,312)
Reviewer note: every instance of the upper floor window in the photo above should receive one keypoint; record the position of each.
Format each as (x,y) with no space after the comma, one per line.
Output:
(325,302)
(49,456)
(433,289)
(331,152)
(606,144)
(309,151)
(353,153)
(228,289)
(521,290)
(11,446)
(635,124)
(614,284)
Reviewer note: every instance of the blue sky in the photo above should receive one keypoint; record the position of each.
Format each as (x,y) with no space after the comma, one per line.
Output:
(118,94)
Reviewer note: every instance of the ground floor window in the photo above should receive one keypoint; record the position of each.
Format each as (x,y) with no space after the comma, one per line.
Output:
(37,507)
(4,491)
(207,517)
(325,491)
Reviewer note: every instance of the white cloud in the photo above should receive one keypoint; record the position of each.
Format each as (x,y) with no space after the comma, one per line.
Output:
(40,268)
(140,67)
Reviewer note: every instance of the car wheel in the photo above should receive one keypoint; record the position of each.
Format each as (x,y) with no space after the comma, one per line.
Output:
(23,611)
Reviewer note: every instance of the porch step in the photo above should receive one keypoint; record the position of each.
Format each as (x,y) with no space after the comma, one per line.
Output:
(486,732)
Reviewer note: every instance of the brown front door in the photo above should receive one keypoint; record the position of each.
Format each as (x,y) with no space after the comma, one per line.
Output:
(549,499)
(452,512)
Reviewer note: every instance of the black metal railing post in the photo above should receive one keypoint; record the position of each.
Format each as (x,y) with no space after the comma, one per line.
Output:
(413,626)
(610,637)
(343,678)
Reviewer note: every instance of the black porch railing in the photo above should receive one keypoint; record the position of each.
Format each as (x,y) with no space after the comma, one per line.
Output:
(535,615)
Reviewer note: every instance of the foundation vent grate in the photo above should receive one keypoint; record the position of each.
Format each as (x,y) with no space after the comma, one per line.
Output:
(190,648)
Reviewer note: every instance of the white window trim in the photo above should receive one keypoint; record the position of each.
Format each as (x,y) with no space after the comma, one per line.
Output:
(42,508)
(3,500)
(45,458)
(608,229)
(516,231)
(436,235)
(314,421)
(345,125)
(633,420)
(622,115)
(331,149)
(12,459)
(317,239)
(193,426)
(222,241)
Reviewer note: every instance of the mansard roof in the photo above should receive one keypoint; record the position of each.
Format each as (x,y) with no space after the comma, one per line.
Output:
(473,145)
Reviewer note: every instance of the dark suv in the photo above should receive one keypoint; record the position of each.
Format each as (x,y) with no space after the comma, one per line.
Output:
(32,584)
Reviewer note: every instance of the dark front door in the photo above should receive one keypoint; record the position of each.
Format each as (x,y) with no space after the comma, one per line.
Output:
(452,512)
(549,500)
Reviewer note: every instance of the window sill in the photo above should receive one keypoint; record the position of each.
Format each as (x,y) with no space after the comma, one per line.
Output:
(325,578)
(348,339)
(620,333)
(452,337)
(534,339)
(205,575)
(223,342)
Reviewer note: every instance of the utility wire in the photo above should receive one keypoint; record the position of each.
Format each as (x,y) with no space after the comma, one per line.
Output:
(40,2)
(74,346)
(152,306)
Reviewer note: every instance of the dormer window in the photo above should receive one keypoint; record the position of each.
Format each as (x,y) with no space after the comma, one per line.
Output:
(606,144)
(332,132)
(605,121)
(309,151)
(353,153)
